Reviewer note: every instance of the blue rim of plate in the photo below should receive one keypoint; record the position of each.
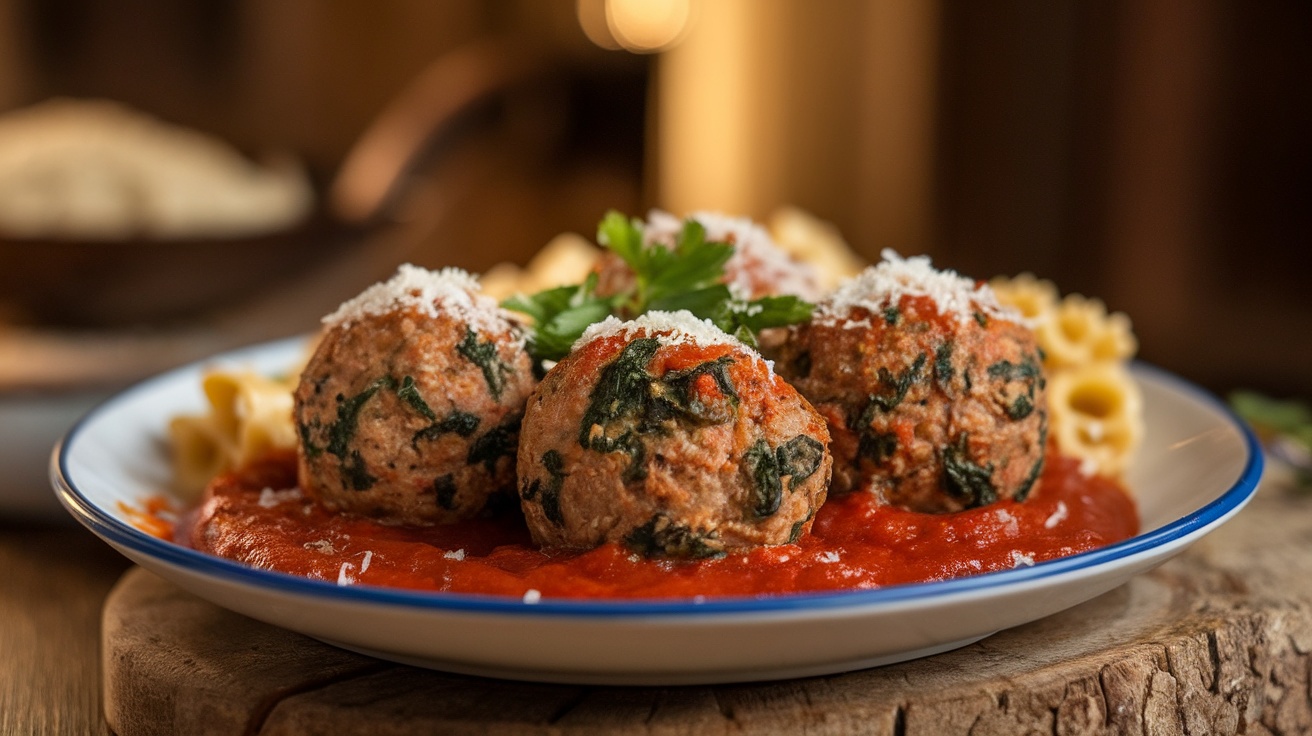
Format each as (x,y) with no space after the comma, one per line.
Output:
(117,531)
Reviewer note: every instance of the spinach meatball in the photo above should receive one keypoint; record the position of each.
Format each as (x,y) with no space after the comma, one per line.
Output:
(409,408)
(934,392)
(670,437)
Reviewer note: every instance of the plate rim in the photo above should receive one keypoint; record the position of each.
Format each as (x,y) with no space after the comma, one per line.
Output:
(119,532)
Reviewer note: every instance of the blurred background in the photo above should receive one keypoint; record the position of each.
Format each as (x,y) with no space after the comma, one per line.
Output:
(1153,153)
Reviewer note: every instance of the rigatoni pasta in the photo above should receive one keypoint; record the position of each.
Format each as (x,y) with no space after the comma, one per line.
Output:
(1079,331)
(1096,414)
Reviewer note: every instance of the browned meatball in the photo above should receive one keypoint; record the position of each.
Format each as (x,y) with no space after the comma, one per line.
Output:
(671,438)
(409,409)
(757,268)
(934,393)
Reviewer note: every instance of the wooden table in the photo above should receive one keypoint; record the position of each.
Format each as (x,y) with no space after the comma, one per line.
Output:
(52,586)
(1216,641)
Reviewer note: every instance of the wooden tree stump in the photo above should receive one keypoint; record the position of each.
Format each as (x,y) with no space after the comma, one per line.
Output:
(1214,642)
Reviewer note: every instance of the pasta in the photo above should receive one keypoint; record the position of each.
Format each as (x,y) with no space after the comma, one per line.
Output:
(1034,297)
(1094,407)
(249,415)
(816,242)
(1079,331)
(1095,412)
(566,259)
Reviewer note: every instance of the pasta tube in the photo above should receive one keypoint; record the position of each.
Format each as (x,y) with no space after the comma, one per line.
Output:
(1095,413)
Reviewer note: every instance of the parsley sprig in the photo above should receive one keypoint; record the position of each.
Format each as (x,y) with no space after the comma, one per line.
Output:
(1285,428)
(689,275)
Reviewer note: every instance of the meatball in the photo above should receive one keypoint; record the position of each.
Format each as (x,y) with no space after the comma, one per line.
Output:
(670,437)
(934,392)
(757,268)
(409,409)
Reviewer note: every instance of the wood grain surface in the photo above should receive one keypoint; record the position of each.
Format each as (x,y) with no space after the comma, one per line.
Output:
(53,585)
(1216,641)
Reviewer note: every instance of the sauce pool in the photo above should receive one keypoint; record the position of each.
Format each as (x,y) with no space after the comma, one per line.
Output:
(256,516)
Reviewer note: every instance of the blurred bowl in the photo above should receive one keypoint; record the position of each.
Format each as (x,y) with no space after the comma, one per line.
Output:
(110,283)
(84,283)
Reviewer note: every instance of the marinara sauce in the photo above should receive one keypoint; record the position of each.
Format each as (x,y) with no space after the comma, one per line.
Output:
(256,516)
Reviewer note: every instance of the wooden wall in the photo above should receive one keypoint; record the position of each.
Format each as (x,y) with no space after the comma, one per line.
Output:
(1150,152)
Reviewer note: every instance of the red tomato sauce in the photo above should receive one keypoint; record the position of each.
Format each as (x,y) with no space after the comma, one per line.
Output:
(256,516)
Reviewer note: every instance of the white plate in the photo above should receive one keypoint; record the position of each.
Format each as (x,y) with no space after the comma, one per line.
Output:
(1197,468)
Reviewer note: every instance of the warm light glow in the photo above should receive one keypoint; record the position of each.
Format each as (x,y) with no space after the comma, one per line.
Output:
(592,19)
(645,26)
(717,125)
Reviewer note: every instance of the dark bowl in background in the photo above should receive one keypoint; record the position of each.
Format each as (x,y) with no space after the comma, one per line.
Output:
(116,283)
(113,283)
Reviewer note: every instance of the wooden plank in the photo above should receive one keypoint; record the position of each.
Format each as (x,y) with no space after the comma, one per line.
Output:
(54,584)
(1216,641)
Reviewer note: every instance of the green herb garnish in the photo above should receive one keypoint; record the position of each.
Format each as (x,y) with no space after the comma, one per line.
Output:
(893,389)
(1032,477)
(799,458)
(688,276)
(498,442)
(484,355)
(1027,371)
(661,536)
(943,370)
(555,465)
(767,487)
(444,488)
(409,393)
(458,422)
(966,480)
(1285,428)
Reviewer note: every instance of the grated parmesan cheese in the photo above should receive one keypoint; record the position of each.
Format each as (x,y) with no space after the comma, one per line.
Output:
(670,328)
(1057,516)
(1020,559)
(1088,467)
(755,253)
(1011,527)
(456,555)
(450,291)
(895,277)
(270,498)
(344,577)
(532,595)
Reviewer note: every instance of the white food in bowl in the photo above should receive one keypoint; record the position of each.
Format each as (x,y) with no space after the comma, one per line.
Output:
(95,169)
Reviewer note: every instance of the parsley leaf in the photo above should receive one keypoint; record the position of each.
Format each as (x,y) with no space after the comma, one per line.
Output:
(560,316)
(743,319)
(1285,428)
(689,275)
